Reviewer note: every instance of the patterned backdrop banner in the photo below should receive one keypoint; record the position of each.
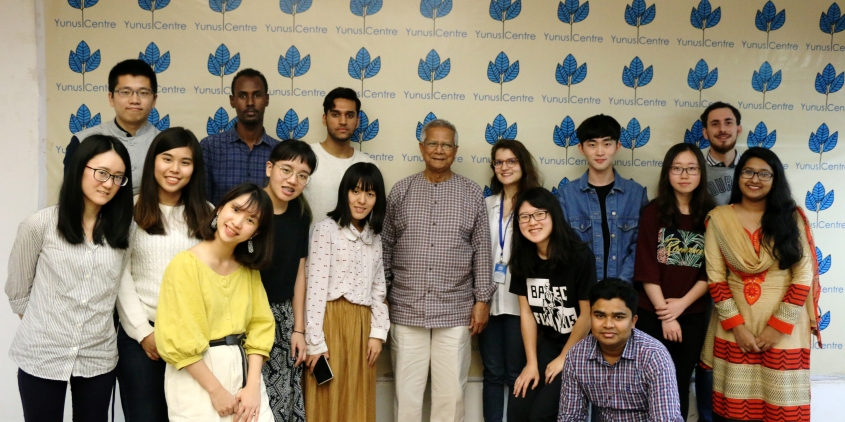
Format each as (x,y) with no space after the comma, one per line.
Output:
(498,69)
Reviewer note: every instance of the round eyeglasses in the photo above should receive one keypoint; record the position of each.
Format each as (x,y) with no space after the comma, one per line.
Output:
(287,172)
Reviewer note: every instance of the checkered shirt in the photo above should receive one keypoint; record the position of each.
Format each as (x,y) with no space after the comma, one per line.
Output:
(229,162)
(437,251)
(639,387)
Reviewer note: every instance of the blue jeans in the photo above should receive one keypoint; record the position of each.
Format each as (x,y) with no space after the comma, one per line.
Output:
(503,357)
(704,393)
(141,382)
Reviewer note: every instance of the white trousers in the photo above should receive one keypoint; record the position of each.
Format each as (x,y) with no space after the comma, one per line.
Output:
(187,401)
(446,351)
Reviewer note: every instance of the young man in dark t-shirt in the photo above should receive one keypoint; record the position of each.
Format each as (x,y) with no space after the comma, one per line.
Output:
(603,207)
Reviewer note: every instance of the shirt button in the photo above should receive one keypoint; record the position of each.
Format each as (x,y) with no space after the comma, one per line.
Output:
(84,302)
(90,252)
(613,213)
(434,224)
(614,257)
(613,235)
(87,275)
(432,245)
(79,325)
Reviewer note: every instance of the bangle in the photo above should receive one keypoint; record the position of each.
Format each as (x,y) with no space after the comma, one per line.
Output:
(300,332)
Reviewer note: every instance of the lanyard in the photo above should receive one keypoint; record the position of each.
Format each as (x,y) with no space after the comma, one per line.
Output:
(502,234)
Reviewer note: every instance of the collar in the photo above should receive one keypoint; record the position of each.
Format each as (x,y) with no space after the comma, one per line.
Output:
(235,137)
(584,183)
(353,234)
(712,162)
(128,135)
(629,353)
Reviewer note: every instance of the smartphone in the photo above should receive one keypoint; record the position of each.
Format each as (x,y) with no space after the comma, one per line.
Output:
(322,371)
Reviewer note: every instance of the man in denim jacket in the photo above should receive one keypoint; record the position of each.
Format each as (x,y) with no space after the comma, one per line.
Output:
(601,206)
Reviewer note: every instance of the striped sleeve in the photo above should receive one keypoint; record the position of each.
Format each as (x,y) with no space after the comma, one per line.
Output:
(792,305)
(23,260)
(717,272)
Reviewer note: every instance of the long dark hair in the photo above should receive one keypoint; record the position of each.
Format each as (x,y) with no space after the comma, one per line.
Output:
(530,176)
(667,202)
(780,230)
(369,177)
(262,242)
(296,150)
(115,216)
(147,212)
(564,245)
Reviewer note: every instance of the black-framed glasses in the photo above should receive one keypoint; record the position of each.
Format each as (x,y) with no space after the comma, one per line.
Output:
(103,176)
(127,93)
(538,215)
(510,162)
(764,176)
(678,170)
(301,178)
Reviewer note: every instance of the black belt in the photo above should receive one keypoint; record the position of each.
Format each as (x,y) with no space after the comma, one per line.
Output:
(233,340)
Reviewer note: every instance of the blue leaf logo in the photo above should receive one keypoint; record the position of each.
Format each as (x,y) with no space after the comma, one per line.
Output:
(764,80)
(292,7)
(501,70)
(769,19)
(824,321)
(82,61)
(82,5)
(365,130)
(831,22)
(487,191)
(82,119)
(637,14)
(292,66)
(828,82)
(499,130)
(571,12)
(634,76)
(702,77)
(704,17)
(632,137)
(824,264)
(695,136)
(290,127)
(420,125)
(817,200)
(360,66)
(760,137)
(564,135)
(223,6)
(559,186)
(220,63)
(821,141)
(364,8)
(505,10)
(160,123)
(151,6)
(220,122)
(569,73)
(151,56)
(431,69)
(433,9)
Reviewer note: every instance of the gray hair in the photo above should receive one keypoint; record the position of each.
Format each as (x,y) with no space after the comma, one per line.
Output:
(439,123)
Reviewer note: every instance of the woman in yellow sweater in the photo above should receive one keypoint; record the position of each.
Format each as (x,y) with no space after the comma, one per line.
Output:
(211,295)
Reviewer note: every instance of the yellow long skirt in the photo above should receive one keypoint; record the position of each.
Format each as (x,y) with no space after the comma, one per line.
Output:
(351,394)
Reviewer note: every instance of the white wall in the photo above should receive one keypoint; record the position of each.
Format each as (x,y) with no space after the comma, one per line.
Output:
(22,182)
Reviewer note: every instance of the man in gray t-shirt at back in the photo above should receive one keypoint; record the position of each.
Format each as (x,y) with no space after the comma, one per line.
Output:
(721,127)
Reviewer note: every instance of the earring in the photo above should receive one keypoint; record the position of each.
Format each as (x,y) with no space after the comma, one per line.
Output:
(214,223)
(249,246)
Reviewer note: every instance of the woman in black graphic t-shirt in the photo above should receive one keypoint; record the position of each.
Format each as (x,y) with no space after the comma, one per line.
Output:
(552,271)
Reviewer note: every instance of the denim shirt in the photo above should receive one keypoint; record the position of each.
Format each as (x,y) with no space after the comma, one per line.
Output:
(581,209)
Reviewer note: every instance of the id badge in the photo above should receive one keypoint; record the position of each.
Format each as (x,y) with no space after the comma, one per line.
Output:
(499,272)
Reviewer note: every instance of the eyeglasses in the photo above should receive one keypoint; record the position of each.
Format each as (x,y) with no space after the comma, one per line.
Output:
(510,162)
(764,176)
(127,93)
(301,178)
(103,176)
(678,170)
(434,145)
(538,215)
